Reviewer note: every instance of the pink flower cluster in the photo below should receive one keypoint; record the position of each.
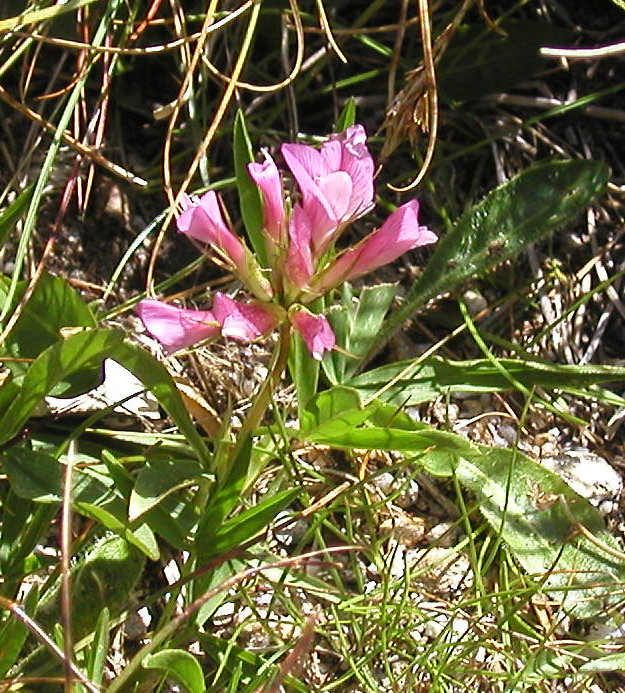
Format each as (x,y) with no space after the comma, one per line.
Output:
(335,186)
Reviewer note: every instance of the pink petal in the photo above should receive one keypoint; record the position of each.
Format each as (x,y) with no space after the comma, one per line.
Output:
(299,264)
(399,233)
(337,190)
(204,221)
(307,167)
(315,331)
(244,321)
(267,178)
(176,328)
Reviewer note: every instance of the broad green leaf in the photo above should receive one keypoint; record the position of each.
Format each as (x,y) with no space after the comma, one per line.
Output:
(13,633)
(610,663)
(249,195)
(535,513)
(158,479)
(244,526)
(24,525)
(356,323)
(412,382)
(51,368)
(33,475)
(12,213)
(335,409)
(37,476)
(53,306)
(348,115)
(179,665)
(536,202)
(481,61)
(104,578)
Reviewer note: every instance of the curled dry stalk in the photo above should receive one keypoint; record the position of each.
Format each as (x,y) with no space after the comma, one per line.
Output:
(212,128)
(415,108)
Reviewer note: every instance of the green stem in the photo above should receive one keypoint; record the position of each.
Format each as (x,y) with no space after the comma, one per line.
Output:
(263,398)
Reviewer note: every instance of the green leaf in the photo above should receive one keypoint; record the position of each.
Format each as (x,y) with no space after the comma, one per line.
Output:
(158,479)
(480,61)
(356,323)
(51,368)
(250,198)
(13,632)
(226,492)
(610,663)
(304,371)
(179,665)
(535,513)
(13,212)
(523,210)
(532,510)
(106,579)
(53,305)
(32,475)
(334,410)
(413,382)
(348,115)
(99,649)
(239,529)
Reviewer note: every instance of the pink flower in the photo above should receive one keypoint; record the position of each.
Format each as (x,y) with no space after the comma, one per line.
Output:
(244,321)
(315,331)
(177,328)
(336,182)
(268,179)
(299,264)
(399,233)
(202,219)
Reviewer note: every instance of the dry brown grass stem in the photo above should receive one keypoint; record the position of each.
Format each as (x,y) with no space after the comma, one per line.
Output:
(47,642)
(288,80)
(426,111)
(87,151)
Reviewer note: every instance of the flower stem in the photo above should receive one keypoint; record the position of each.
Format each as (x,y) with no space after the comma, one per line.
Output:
(263,396)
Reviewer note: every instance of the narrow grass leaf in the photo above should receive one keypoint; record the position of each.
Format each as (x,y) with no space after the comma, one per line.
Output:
(13,212)
(245,525)
(347,118)
(99,649)
(179,665)
(249,196)
(41,14)
(523,210)
(414,382)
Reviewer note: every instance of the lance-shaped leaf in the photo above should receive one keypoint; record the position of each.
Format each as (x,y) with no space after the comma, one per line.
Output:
(522,211)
